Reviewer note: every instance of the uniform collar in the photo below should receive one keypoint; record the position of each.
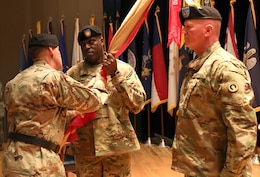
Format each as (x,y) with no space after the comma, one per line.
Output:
(89,69)
(197,62)
(42,63)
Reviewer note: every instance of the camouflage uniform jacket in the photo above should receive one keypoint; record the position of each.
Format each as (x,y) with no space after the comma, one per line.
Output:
(111,132)
(37,100)
(216,126)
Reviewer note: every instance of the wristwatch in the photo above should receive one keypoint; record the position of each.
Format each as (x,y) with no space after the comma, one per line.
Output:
(115,73)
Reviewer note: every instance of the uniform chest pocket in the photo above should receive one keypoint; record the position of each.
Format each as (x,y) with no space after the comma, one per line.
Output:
(194,95)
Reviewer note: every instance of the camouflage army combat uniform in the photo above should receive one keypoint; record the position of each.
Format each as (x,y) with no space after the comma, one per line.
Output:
(216,127)
(37,100)
(110,137)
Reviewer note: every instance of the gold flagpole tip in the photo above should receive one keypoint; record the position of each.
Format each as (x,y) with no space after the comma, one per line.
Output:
(117,14)
(92,19)
(232,1)
(105,15)
(110,19)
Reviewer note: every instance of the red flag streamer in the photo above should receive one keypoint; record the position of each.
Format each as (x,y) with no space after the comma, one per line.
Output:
(70,134)
(77,123)
(129,27)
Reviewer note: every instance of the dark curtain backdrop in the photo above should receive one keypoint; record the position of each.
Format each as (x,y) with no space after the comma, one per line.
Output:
(123,7)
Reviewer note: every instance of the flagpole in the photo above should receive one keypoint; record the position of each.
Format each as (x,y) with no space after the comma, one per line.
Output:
(149,142)
(162,127)
(92,20)
(253,11)
(38,27)
(232,9)
(117,19)
(212,2)
(23,56)
(104,30)
(49,27)
(110,31)
(250,36)
(255,158)
(29,59)
(135,122)
(24,47)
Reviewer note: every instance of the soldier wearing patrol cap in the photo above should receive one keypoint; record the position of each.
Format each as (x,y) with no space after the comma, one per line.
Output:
(38,100)
(105,144)
(216,126)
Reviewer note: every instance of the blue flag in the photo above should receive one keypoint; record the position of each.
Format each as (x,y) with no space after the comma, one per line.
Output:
(251,57)
(23,58)
(121,57)
(146,75)
(49,26)
(30,61)
(63,47)
(132,56)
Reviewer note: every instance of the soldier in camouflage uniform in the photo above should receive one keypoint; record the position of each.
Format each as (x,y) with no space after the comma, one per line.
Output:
(216,127)
(104,145)
(37,100)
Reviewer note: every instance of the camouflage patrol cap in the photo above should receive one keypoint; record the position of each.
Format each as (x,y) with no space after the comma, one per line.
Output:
(202,12)
(43,40)
(88,32)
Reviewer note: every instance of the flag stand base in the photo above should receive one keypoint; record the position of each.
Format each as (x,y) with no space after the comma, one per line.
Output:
(162,143)
(148,142)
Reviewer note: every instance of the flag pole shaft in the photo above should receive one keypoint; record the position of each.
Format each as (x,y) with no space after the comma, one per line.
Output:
(148,120)
(162,127)
(149,124)
(256,158)
(162,122)
(135,122)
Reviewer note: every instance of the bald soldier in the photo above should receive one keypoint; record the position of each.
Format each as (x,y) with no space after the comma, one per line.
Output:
(216,127)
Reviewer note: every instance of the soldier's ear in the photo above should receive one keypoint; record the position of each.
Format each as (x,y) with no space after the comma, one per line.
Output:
(209,29)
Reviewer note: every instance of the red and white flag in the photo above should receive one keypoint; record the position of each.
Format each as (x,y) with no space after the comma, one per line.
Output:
(174,41)
(76,50)
(159,93)
(231,42)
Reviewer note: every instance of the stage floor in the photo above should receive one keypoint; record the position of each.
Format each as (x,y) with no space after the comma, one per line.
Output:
(152,161)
